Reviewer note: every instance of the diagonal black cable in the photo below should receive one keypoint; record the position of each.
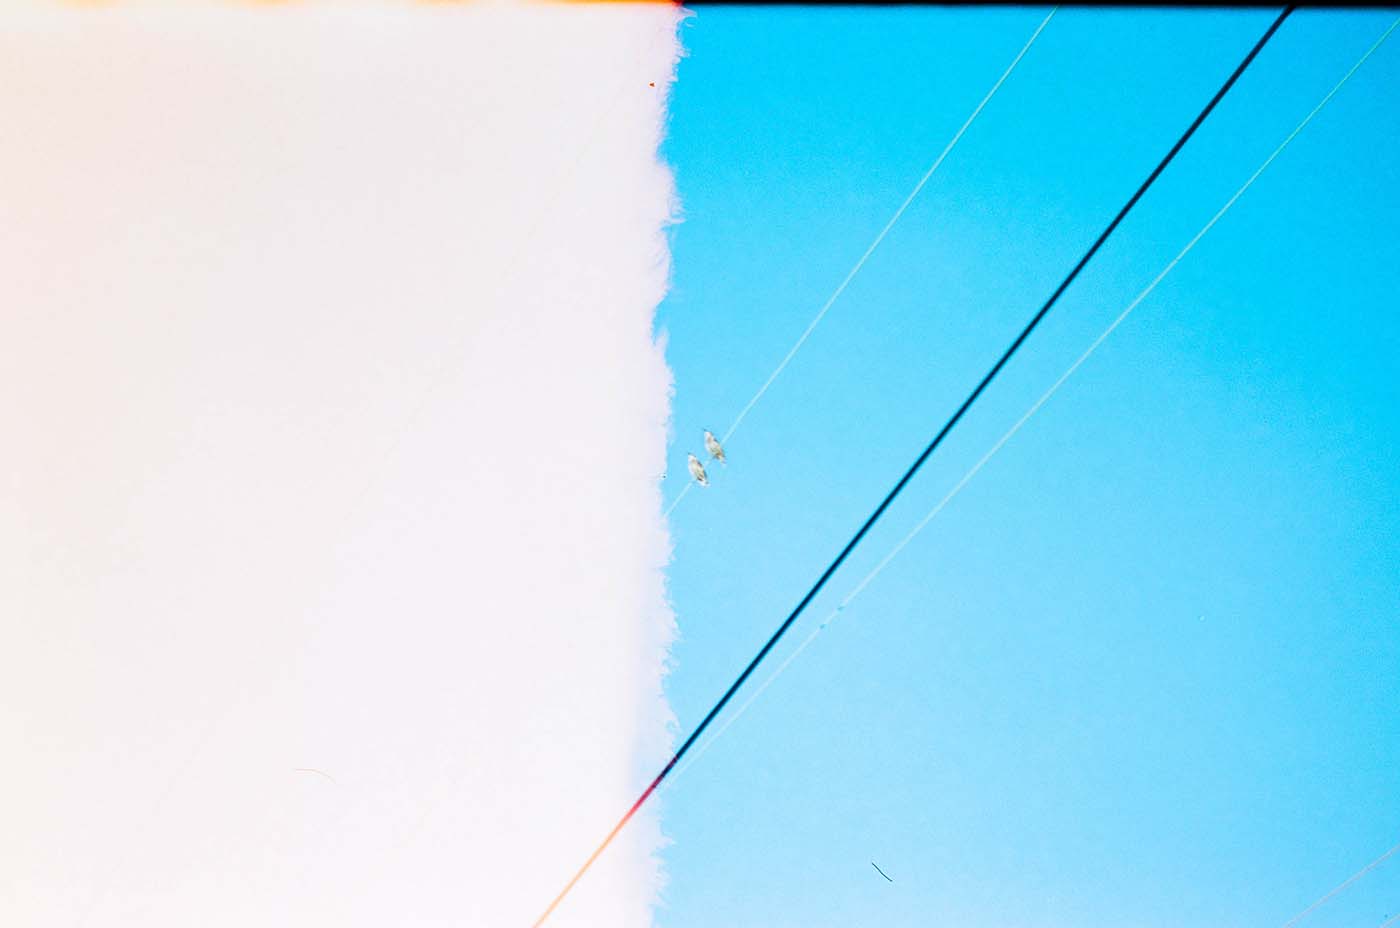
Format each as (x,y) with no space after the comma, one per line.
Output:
(924,456)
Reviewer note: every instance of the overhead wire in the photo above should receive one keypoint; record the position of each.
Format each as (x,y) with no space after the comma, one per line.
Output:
(1326,897)
(919,461)
(870,250)
(1034,408)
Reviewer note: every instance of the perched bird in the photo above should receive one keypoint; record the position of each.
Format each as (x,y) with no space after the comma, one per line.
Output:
(697,470)
(712,445)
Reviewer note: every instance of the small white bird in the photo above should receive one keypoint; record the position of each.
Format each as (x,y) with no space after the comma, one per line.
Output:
(697,470)
(712,445)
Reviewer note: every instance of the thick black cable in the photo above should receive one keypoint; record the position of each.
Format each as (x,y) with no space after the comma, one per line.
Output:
(972,397)
(927,452)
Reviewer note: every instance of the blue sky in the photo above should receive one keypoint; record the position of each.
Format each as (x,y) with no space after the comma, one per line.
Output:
(1145,670)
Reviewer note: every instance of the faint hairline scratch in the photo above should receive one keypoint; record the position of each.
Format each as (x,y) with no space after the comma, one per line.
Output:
(314,770)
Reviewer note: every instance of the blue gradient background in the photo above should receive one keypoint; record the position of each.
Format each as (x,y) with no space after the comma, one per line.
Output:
(1145,670)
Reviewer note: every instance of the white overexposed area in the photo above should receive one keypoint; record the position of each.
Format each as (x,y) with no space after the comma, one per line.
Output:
(332,420)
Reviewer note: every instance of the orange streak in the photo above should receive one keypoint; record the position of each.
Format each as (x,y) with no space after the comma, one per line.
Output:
(602,847)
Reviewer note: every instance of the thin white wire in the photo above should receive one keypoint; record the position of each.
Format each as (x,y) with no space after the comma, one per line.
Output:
(1345,883)
(1390,921)
(679,496)
(851,275)
(947,149)
(1035,407)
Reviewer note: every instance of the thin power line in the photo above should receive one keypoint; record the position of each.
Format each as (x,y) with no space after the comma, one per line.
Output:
(1345,883)
(919,461)
(1035,407)
(851,275)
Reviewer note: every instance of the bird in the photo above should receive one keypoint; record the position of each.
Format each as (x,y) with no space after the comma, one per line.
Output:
(697,470)
(712,445)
